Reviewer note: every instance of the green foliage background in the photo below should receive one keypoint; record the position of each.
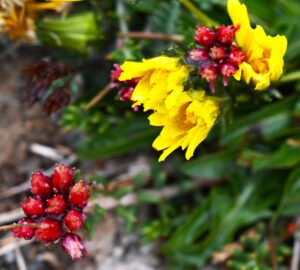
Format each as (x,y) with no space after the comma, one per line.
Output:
(251,159)
(248,168)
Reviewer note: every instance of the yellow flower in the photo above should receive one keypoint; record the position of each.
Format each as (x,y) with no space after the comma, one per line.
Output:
(264,53)
(161,81)
(17,17)
(186,125)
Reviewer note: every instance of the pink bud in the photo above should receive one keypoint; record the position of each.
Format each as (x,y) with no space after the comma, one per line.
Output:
(217,53)
(73,245)
(198,54)
(210,74)
(125,93)
(227,70)
(116,73)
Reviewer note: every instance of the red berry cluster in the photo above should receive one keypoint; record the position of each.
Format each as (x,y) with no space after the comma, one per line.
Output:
(126,87)
(218,54)
(55,209)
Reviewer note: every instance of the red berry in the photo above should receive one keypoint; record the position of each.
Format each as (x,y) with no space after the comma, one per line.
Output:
(62,178)
(72,244)
(236,57)
(198,54)
(225,34)
(217,52)
(50,230)
(79,195)
(33,207)
(24,232)
(74,220)
(56,205)
(40,184)
(204,36)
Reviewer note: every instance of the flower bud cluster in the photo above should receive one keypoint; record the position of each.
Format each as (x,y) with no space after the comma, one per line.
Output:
(217,54)
(126,87)
(56,210)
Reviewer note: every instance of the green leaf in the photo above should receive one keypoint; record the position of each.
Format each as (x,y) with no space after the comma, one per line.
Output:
(210,167)
(270,122)
(286,156)
(290,199)
(128,136)
(194,226)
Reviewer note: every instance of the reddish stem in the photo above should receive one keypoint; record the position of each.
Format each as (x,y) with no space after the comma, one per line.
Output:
(15,225)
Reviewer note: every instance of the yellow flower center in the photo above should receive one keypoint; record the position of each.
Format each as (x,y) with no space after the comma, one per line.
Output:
(184,119)
(260,65)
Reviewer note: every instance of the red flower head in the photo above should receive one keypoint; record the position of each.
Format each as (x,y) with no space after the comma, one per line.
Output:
(54,210)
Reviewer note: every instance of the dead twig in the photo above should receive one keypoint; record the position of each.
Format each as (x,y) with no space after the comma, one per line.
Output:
(11,244)
(10,216)
(102,93)
(152,36)
(20,259)
(45,151)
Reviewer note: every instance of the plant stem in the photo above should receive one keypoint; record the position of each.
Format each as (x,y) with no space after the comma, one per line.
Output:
(14,226)
(102,93)
(157,36)
(272,247)
(198,13)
